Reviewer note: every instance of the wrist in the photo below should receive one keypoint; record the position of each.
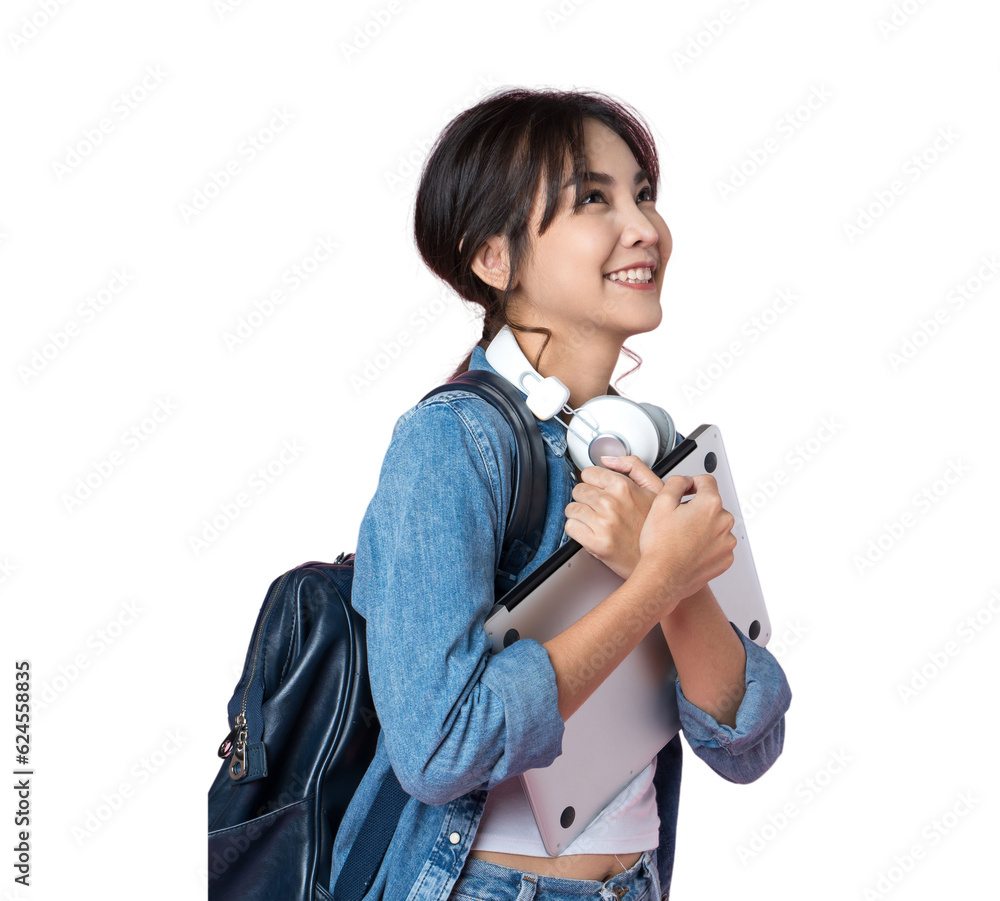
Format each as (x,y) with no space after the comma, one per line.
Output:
(659,586)
(683,605)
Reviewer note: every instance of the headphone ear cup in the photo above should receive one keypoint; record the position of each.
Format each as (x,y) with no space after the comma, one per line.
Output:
(614,425)
(664,427)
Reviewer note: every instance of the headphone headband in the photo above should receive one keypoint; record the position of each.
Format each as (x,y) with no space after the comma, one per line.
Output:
(546,396)
(606,424)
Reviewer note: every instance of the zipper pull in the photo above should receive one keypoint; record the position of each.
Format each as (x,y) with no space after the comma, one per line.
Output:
(225,749)
(238,765)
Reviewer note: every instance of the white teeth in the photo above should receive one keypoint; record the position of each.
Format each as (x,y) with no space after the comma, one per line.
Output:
(633,276)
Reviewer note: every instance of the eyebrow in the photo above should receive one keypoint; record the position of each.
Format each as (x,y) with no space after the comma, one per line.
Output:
(602,178)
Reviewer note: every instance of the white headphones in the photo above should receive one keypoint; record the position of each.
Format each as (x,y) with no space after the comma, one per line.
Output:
(608,424)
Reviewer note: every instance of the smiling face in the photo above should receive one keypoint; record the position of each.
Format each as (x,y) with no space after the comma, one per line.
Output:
(563,284)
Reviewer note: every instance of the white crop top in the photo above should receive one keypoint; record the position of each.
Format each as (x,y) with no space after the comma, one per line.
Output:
(629,823)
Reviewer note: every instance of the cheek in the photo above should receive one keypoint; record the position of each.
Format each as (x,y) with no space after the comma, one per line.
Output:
(591,252)
(666,239)
(580,262)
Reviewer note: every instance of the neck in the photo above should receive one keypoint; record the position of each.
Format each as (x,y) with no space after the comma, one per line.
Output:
(586,370)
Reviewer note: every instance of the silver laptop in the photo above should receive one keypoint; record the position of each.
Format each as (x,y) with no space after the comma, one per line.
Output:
(640,694)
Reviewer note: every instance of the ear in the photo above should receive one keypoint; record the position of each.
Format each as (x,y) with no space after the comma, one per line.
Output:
(491,262)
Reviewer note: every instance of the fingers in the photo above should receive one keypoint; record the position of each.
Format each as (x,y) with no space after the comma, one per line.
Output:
(631,466)
(676,487)
(615,496)
(706,484)
(580,531)
(601,477)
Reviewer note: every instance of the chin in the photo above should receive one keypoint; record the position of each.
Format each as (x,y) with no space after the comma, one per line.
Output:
(647,323)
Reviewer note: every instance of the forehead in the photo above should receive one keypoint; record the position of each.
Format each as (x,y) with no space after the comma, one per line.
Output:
(608,158)
(605,153)
(605,147)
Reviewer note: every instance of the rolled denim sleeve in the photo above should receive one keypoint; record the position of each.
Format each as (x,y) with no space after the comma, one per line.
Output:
(455,716)
(744,753)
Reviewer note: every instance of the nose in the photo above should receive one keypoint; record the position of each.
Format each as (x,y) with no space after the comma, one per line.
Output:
(638,229)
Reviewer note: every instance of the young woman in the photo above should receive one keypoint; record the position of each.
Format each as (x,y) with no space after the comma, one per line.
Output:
(527,204)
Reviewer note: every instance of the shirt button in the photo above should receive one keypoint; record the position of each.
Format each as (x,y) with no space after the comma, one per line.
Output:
(454,838)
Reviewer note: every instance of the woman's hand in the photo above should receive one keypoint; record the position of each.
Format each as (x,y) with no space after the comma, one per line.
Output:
(609,508)
(683,545)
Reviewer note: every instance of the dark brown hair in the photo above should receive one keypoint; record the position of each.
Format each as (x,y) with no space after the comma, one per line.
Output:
(483,172)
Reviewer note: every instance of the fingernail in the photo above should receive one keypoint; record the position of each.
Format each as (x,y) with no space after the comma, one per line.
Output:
(609,459)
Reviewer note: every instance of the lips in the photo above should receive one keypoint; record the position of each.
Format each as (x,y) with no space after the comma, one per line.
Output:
(636,275)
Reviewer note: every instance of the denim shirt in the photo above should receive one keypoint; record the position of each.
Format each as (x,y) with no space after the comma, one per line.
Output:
(458,719)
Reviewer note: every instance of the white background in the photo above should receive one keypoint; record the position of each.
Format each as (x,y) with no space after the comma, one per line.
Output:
(136,638)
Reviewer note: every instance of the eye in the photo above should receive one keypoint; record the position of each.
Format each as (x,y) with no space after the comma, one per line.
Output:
(647,190)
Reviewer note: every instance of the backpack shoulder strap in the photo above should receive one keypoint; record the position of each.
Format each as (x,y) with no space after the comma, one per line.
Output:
(529,488)
(369,848)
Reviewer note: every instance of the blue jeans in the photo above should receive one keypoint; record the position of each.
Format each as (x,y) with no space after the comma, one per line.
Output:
(483,881)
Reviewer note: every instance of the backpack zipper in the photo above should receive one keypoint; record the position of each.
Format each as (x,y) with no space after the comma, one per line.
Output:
(238,765)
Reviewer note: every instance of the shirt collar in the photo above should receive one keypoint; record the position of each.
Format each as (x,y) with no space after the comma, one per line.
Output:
(553,433)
